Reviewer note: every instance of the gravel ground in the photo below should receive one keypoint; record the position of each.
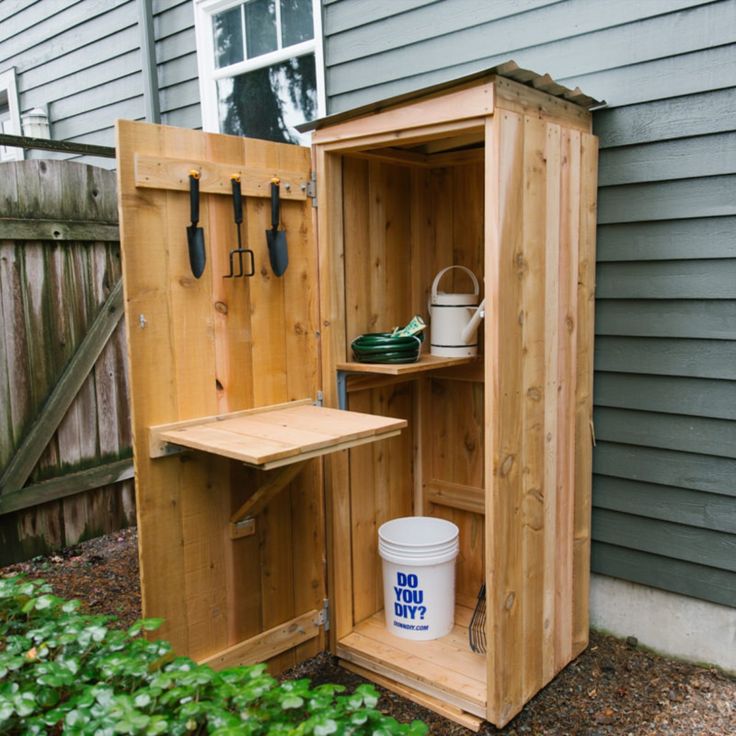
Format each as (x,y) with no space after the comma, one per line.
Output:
(614,688)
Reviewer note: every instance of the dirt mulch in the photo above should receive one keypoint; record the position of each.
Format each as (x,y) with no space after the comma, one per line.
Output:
(102,573)
(615,688)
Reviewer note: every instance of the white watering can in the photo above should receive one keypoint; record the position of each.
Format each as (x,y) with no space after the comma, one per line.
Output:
(455,319)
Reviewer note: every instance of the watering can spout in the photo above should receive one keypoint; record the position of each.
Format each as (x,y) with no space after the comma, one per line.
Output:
(472,327)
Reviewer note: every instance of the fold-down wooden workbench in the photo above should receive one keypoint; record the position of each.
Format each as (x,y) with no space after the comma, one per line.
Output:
(283,436)
(274,436)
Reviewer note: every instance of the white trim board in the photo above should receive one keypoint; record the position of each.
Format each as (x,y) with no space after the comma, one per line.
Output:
(208,74)
(9,85)
(671,624)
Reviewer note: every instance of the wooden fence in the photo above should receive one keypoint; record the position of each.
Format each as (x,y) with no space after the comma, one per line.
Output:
(65,457)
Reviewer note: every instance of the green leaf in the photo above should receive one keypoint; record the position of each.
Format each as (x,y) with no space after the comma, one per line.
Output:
(292,701)
(47,697)
(369,694)
(325,728)
(45,601)
(6,709)
(142,700)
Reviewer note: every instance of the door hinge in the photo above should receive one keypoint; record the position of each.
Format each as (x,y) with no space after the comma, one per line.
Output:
(312,189)
(323,618)
(320,400)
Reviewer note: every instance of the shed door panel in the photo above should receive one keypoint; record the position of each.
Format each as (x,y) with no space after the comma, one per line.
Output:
(201,347)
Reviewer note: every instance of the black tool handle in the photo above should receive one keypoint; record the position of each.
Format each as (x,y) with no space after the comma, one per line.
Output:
(275,204)
(194,196)
(237,200)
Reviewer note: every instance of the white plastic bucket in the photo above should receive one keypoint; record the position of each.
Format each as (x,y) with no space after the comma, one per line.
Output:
(418,554)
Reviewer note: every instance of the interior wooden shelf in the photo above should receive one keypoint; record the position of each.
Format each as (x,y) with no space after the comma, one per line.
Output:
(425,363)
(443,668)
(273,436)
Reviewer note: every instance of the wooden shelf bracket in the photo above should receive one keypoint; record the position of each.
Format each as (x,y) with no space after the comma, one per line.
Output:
(242,522)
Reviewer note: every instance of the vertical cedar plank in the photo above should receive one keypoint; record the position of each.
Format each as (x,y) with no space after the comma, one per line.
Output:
(234,389)
(363,507)
(567,333)
(359,213)
(301,313)
(333,349)
(266,290)
(421,235)
(270,386)
(358,317)
(231,297)
(467,222)
(584,390)
(551,393)
(441,246)
(533,390)
(194,367)
(274,527)
(492,212)
(503,527)
(242,563)
(308,523)
(143,220)
(376,274)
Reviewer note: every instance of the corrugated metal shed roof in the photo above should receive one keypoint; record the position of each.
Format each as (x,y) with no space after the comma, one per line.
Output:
(509,70)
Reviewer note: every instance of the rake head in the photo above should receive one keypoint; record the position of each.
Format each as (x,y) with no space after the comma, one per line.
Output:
(477,628)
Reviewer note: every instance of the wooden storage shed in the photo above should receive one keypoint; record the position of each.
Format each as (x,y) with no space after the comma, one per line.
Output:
(266,459)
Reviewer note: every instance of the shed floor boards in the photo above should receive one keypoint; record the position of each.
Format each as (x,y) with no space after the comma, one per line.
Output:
(444,667)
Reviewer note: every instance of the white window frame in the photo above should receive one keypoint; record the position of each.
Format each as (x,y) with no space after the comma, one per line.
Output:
(204,10)
(9,85)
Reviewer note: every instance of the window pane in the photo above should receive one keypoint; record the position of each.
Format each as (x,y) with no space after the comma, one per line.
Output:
(269,102)
(296,21)
(228,32)
(260,27)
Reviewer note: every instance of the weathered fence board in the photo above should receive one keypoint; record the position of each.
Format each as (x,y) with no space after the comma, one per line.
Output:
(64,418)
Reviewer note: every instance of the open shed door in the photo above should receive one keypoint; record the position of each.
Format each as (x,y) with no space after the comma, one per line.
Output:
(229,593)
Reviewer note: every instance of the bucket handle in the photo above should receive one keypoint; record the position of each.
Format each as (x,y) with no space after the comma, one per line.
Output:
(437,278)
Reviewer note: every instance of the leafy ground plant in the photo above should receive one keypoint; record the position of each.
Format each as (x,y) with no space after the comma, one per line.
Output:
(63,671)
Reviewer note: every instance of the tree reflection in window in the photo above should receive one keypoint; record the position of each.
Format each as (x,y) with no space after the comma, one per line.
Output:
(268,102)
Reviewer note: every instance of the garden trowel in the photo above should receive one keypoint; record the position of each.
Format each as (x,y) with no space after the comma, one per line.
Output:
(195,235)
(277,251)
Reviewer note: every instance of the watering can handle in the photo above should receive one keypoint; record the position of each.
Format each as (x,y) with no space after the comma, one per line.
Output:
(437,278)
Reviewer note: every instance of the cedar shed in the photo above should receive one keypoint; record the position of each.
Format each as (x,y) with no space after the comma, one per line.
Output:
(266,459)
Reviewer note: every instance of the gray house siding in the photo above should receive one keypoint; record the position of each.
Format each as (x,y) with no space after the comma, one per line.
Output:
(664,490)
(81,60)
(176,57)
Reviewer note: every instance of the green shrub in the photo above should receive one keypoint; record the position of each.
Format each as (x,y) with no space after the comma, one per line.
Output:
(64,671)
